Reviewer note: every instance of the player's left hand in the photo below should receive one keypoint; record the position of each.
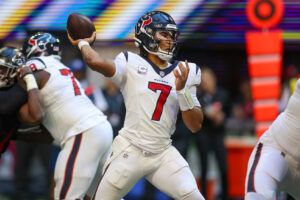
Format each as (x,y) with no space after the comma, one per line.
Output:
(181,75)
(90,40)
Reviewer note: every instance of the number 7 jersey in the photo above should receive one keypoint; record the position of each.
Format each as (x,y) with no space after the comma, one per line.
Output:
(150,99)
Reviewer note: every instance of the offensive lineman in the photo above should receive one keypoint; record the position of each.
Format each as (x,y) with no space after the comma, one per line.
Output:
(81,130)
(274,164)
(154,90)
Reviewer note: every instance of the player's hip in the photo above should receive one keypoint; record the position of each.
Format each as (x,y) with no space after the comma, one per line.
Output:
(150,143)
(123,151)
(287,145)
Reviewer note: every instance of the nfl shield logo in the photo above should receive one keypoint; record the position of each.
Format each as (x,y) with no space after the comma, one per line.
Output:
(162,73)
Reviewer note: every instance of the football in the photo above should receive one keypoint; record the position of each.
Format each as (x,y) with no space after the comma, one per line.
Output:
(80,26)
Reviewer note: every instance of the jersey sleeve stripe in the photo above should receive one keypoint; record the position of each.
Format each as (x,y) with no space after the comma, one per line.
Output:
(197,69)
(126,55)
(251,184)
(70,167)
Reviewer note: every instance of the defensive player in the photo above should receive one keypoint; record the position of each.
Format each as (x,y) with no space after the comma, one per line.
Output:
(274,164)
(81,130)
(154,90)
(17,105)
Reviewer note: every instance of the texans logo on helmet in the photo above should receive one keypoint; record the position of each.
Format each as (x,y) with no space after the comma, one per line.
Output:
(147,22)
(32,42)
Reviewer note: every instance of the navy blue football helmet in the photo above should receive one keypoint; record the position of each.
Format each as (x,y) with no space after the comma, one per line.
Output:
(42,44)
(146,29)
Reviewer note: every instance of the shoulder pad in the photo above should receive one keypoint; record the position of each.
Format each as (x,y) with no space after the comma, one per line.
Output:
(195,74)
(36,64)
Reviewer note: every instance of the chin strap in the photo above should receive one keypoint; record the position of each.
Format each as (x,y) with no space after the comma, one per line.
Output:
(164,56)
(160,54)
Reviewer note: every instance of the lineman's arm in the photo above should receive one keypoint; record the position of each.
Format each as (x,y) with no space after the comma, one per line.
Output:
(32,111)
(96,62)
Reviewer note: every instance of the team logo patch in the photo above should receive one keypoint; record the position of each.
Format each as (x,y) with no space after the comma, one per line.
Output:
(142,70)
(147,21)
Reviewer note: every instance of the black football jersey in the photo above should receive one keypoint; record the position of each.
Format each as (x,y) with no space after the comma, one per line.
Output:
(11,100)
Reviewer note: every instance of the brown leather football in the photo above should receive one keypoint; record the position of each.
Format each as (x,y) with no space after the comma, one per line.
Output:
(80,26)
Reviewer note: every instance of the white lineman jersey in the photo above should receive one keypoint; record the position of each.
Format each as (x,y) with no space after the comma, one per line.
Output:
(270,170)
(68,111)
(151,100)
(275,162)
(286,128)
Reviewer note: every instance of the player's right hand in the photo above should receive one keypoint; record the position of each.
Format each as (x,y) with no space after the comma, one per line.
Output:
(23,71)
(90,40)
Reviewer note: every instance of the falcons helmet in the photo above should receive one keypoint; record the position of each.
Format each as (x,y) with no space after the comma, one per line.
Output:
(11,59)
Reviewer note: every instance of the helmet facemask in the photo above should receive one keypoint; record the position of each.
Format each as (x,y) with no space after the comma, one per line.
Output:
(7,76)
(167,44)
(11,59)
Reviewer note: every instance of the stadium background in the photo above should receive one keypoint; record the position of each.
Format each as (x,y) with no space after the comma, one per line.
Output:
(212,34)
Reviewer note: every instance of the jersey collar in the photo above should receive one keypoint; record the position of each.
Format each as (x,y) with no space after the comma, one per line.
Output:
(162,72)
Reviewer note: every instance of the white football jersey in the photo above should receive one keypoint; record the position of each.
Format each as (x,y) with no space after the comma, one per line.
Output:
(68,111)
(151,100)
(286,128)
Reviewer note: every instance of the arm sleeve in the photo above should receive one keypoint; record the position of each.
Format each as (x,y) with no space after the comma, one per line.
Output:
(193,91)
(120,75)
(12,99)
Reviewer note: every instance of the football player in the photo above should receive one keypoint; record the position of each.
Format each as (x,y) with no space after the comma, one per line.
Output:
(274,164)
(81,130)
(17,105)
(154,90)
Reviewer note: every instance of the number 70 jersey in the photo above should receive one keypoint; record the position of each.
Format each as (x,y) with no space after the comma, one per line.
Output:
(150,99)
(68,111)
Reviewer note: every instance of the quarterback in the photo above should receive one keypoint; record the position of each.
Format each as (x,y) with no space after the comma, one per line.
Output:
(154,89)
